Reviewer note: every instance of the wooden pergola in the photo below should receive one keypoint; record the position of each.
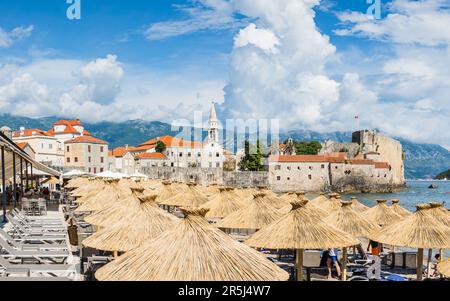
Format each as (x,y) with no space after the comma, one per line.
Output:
(16,162)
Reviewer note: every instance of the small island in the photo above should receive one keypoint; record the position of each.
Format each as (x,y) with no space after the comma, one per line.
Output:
(443,175)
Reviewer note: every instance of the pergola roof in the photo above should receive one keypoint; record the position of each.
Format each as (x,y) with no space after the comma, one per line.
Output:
(10,149)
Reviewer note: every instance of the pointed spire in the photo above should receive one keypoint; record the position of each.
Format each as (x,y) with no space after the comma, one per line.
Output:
(212,114)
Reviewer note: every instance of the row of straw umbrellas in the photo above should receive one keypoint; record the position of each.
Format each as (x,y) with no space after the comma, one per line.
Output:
(157,245)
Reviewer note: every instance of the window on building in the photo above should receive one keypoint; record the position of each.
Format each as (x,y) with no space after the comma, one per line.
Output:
(89,170)
(322,166)
(50,146)
(199,154)
(101,149)
(217,155)
(218,165)
(89,148)
(277,167)
(95,169)
(68,160)
(189,154)
(288,168)
(298,167)
(310,177)
(181,154)
(288,178)
(278,178)
(101,159)
(210,164)
(311,168)
(89,159)
(42,145)
(335,167)
(76,159)
(68,148)
(101,169)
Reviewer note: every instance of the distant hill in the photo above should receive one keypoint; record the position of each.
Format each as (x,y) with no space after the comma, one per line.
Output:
(443,175)
(421,160)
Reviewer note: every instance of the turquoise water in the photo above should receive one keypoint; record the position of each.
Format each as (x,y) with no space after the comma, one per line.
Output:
(416,192)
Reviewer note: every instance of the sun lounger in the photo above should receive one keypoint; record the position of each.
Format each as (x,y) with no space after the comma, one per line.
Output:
(51,269)
(22,218)
(39,279)
(53,227)
(36,244)
(36,231)
(21,253)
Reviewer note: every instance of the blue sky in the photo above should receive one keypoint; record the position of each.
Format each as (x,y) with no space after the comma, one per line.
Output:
(312,64)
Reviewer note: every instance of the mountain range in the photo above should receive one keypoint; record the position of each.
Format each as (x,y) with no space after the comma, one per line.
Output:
(421,160)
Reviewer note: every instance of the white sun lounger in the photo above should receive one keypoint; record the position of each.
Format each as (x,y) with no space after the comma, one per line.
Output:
(32,244)
(51,269)
(17,215)
(38,254)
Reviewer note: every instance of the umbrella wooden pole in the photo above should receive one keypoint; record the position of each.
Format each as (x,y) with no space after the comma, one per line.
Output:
(430,253)
(299,264)
(344,264)
(116,254)
(441,255)
(419,264)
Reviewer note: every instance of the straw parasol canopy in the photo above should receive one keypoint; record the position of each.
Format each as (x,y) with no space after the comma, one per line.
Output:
(77,182)
(92,185)
(192,198)
(441,214)
(399,209)
(192,251)
(329,205)
(300,229)
(299,196)
(223,204)
(211,190)
(322,198)
(381,214)
(165,191)
(444,268)
(52,181)
(349,220)
(147,221)
(357,206)
(114,213)
(253,217)
(419,230)
(110,194)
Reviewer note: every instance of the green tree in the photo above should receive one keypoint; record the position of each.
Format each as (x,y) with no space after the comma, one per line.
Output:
(253,158)
(160,147)
(308,148)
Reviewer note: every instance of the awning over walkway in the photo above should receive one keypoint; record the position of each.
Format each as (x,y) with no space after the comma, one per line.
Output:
(10,148)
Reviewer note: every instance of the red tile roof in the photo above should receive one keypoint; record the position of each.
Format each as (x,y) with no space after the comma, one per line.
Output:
(362,162)
(86,139)
(170,141)
(151,156)
(29,132)
(22,145)
(68,122)
(121,151)
(382,165)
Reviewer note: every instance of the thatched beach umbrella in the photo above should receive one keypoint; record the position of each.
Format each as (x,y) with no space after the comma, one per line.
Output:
(114,213)
(92,185)
(399,209)
(77,182)
(134,228)
(253,217)
(165,191)
(298,230)
(441,214)
(419,230)
(110,194)
(192,198)
(381,214)
(320,199)
(444,268)
(350,221)
(223,204)
(330,204)
(192,251)
(299,196)
(357,205)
